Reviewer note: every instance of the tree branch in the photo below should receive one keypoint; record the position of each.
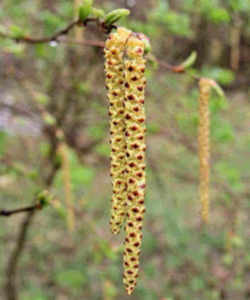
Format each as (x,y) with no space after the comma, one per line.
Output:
(62,32)
(8,213)
(11,271)
(11,290)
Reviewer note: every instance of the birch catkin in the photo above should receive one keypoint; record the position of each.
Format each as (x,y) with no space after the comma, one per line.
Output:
(204,147)
(63,151)
(114,68)
(135,136)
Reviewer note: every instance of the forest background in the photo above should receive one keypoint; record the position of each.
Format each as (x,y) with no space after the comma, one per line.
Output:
(54,136)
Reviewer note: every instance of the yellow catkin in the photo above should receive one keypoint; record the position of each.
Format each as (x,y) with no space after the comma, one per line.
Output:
(64,154)
(135,136)
(204,146)
(114,68)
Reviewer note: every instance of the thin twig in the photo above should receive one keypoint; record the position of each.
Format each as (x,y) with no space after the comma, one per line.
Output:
(58,34)
(8,213)
(175,69)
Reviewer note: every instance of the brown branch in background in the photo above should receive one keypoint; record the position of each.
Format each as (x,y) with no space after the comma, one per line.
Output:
(55,37)
(175,69)
(11,290)
(31,40)
(11,271)
(92,43)
(8,213)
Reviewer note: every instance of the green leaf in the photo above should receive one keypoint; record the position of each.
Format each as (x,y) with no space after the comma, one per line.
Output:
(16,32)
(85,9)
(115,15)
(222,131)
(190,60)
(223,76)
(51,21)
(98,13)
(219,15)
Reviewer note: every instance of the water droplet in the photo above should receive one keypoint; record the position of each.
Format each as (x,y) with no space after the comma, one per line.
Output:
(53,43)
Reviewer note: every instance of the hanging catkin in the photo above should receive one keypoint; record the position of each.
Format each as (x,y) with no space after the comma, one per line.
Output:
(135,136)
(63,151)
(114,68)
(204,147)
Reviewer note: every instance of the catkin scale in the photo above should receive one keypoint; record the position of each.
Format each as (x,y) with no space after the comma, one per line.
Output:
(114,68)
(135,154)
(204,146)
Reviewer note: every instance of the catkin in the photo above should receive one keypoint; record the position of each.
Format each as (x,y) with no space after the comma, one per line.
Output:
(135,136)
(204,146)
(63,151)
(114,68)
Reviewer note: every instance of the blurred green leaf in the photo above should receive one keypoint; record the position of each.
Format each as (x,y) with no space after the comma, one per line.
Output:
(223,76)
(16,31)
(153,128)
(3,140)
(96,132)
(51,21)
(72,279)
(219,15)
(103,149)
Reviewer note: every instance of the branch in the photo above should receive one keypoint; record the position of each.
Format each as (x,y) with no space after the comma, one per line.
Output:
(8,213)
(11,290)
(11,271)
(58,34)
(175,69)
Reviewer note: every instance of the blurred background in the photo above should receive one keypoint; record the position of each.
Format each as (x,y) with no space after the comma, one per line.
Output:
(54,135)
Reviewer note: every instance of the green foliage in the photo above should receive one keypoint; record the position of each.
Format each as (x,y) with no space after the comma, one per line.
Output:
(34,294)
(96,132)
(85,9)
(223,131)
(80,175)
(176,23)
(190,60)
(221,75)
(51,21)
(240,5)
(115,15)
(3,137)
(70,278)
(103,150)
(230,174)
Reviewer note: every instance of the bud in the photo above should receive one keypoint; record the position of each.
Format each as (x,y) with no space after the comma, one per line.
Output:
(85,9)
(115,15)
(98,13)
(146,41)
(189,61)
(44,198)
